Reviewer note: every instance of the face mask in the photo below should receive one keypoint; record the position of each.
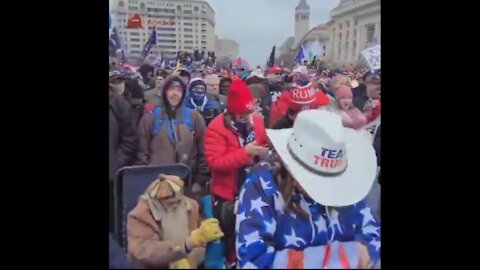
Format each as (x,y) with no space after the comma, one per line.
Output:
(197,96)
(301,80)
(241,127)
(118,88)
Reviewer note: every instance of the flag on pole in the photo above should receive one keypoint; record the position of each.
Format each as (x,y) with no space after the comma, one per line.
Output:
(271,60)
(152,40)
(300,55)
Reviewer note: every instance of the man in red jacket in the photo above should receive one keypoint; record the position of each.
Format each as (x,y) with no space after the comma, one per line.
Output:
(233,142)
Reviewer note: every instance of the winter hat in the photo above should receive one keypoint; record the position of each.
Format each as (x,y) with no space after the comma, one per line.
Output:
(165,187)
(256,73)
(302,98)
(239,98)
(274,70)
(195,82)
(212,79)
(343,91)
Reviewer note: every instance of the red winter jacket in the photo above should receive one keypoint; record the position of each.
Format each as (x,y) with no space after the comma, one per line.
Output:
(279,108)
(225,156)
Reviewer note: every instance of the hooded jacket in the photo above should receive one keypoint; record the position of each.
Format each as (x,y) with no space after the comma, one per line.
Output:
(187,147)
(123,142)
(209,107)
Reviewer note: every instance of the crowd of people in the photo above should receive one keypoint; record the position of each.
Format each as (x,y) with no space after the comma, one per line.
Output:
(288,157)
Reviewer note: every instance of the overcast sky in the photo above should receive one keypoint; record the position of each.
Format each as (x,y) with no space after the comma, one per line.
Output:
(257,25)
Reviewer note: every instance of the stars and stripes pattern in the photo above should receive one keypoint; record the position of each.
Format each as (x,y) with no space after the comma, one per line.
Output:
(265,229)
(300,55)
(152,40)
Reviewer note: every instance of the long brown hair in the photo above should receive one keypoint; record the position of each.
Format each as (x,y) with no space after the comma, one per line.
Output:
(285,183)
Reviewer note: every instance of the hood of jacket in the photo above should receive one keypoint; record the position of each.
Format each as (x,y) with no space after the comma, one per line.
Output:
(166,84)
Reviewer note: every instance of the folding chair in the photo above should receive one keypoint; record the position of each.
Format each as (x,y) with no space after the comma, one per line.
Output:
(130,184)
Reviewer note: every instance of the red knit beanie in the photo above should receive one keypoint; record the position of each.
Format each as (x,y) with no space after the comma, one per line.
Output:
(239,98)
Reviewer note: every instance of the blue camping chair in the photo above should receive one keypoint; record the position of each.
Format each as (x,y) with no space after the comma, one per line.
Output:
(130,184)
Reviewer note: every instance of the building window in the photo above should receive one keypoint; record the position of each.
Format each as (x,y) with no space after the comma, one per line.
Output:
(135,46)
(166,35)
(166,47)
(346,51)
(132,8)
(339,36)
(370,32)
(348,34)
(121,4)
(340,26)
(134,34)
(188,24)
(167,41)
(188,48)
(355,33)
(188,36)
(188,30)
(204,36)
(135,39)
(134,52)
(339,51)
(188,41)
(204,48)
(195,9)
(204,42)
(142,6)
(204,12)
(179,8)
(354,47)
(204,31)
(188,12)
(165,29)
(203,6)
(204,25)
(347,24)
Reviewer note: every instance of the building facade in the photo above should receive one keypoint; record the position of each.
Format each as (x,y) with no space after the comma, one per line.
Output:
(356,24)
(302,20)
(181,25)
(226,48)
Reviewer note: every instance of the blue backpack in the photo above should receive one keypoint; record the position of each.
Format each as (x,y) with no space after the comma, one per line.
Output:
(159,121)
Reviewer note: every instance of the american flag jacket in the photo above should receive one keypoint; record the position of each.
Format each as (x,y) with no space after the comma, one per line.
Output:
(266,232)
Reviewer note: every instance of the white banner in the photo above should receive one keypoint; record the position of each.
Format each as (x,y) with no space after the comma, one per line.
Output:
(372,56)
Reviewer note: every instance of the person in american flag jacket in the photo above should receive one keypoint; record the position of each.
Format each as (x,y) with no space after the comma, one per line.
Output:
(309,211)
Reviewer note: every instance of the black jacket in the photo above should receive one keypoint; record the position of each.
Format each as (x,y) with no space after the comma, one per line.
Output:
(284,122)
(360,97)
(123,141)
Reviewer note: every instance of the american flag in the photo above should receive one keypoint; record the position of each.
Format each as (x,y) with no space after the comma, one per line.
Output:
(265,229)
(152,40)
(300,55)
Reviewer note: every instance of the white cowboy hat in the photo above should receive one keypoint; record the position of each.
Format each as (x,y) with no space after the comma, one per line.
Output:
(256,73)
(335,165)
(301,69)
